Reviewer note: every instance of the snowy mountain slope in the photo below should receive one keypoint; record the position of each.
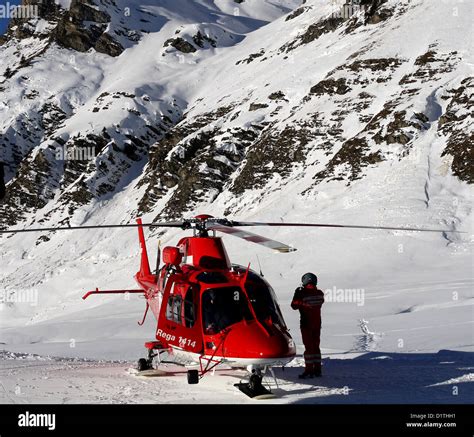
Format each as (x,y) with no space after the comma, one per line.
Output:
(133,111)
(306,118)
(297,118)
(330,140)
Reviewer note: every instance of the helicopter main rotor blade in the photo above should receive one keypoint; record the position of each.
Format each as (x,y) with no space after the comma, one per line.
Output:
(330,225)
(74,228)
(253,238)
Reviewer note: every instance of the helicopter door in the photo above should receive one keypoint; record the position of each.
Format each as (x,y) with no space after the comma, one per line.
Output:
(181,317)
(189,308)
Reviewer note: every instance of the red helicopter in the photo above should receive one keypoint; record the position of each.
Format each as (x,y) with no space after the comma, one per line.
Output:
(209,311)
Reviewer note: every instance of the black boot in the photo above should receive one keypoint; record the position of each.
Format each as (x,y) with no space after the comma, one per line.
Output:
(317,370)
(306,375)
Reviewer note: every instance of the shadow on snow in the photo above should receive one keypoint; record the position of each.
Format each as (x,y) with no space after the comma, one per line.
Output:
(378,377)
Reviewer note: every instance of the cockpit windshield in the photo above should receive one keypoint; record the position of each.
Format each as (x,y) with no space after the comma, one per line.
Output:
(263,300)
(222,307)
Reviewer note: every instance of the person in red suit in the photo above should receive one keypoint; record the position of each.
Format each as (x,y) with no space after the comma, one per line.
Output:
(308,299)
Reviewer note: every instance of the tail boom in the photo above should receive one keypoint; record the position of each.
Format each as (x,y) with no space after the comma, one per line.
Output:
(144,263)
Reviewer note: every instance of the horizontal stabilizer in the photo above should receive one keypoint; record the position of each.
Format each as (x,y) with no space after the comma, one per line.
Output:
(97,291)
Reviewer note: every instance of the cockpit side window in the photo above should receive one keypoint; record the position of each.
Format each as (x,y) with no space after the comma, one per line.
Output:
(223,307)
(263,300)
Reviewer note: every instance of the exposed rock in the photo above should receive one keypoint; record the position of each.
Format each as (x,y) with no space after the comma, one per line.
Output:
(189,177)
(52,117)
(93,166)
(79,194)
(251,57)
(257,106)
(456,125)
(81,150)
(8,73)
(296,13)
(277,95)
(373,12)
(191,144)
(47,10)
(28,190)
(313,32)
(363,72)
(273,153)
(428,57)
(377,14)
(69,35)
(71,31)
(353,156)
(181,45)
(393,132)
(431,66)
(199,39)
(85,10)
(80,28)
(421,117)
(106,44)
(42,239)
(375,65)
(330,87)
(461,148)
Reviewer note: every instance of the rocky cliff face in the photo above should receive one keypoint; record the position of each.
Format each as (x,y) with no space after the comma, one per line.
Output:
(186,105)
(341,119)
(85,25)
(73,32)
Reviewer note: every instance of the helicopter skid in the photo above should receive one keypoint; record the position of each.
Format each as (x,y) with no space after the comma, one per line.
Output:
(254,393)
(254,387)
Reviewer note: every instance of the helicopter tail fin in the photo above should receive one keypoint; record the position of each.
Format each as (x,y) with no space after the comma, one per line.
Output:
(144,263)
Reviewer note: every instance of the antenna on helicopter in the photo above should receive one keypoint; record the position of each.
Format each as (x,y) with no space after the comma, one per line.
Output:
(260,267)
(158,257)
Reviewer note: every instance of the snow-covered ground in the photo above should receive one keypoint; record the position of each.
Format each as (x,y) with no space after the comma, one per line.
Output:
(414,290)
(372,377)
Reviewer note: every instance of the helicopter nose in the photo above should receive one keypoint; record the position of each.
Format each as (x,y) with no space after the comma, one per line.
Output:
(254,341)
